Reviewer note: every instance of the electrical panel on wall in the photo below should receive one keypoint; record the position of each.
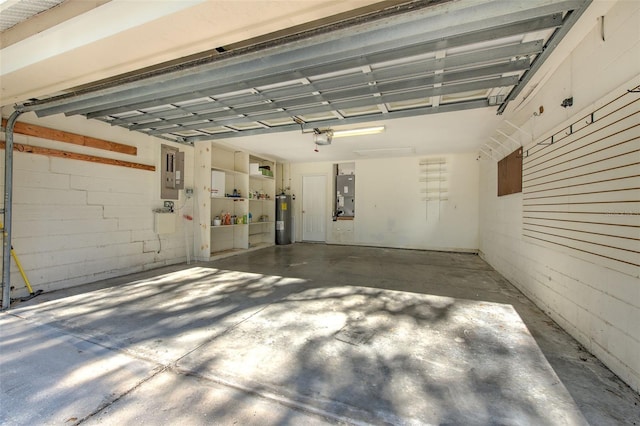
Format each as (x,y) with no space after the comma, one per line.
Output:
(345,190)
(172,172)
(345,195)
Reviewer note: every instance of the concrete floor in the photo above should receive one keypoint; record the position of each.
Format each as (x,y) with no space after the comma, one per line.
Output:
(302,334)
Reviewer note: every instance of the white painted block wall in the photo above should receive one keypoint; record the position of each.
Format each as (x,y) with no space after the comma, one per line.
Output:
(76,222)
(600,307)
(390,211)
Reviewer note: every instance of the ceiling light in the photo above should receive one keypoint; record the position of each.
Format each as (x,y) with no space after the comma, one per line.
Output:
(358,132)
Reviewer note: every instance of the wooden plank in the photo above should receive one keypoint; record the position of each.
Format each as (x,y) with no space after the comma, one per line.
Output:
(510,173)
(75,156)
(72,138)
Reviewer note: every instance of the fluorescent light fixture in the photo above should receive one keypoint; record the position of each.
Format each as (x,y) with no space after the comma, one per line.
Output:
(358,132)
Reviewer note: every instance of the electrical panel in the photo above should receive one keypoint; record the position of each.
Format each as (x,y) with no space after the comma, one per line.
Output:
(345,195)
(172,172)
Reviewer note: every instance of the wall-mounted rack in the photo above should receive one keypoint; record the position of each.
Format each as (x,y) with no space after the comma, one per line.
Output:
(586,121)
(495,147)
(501,148)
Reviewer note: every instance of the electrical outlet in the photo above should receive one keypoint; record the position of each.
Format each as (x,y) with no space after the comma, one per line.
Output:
(188,192)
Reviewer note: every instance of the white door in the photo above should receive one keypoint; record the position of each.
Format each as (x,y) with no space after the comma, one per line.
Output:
(314,206)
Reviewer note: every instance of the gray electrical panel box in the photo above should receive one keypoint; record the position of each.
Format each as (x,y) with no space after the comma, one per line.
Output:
(345,195)
(172,172)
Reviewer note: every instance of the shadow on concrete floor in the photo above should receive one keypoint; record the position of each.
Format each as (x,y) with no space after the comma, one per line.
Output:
(302,334)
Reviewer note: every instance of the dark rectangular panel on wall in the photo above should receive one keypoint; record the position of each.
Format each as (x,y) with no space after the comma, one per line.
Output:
(510,173)
(581,187)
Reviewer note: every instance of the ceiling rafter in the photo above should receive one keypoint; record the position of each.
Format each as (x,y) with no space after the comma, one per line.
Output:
(234,77)
(381,66)
(402,89)
(317,107)
(385,73)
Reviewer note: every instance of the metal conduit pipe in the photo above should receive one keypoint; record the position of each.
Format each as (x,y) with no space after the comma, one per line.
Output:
(8,209)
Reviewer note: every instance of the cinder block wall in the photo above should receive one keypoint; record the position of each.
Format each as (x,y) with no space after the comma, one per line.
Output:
(77,222)
(390,205)
(598,305)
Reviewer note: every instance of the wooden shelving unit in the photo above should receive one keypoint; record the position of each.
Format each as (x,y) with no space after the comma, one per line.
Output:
(262,203)
(240,190)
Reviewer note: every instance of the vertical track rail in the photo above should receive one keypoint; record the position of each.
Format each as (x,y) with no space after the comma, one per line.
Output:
(8,210)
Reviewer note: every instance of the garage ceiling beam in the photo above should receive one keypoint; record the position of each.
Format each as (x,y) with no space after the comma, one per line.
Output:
(386,73)
(489,20)
(339,95)
(340,69)
(459,106)
(570,19)
(272,68)
(297,109)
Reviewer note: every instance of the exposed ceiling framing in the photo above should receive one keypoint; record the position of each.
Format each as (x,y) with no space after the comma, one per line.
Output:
(423,57)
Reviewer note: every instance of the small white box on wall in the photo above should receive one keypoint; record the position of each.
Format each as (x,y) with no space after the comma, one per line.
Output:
(217,183)
(164,223)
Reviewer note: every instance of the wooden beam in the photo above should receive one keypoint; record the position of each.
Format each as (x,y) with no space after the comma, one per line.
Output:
(75,156)
(73,138)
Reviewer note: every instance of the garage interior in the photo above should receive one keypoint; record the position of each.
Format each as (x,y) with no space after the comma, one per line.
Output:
(470,257)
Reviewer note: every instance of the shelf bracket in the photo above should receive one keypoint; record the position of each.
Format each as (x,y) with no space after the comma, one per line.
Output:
(489,154)
(518,144)
(500,144)
(517,128)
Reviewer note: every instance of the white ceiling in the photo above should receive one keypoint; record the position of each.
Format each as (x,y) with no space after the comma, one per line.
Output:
(425,135)
(120,36)
(124,35)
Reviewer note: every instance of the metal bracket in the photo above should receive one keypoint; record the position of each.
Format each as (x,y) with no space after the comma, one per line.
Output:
(8,209)
(568,102)
(593,119)
(570,130)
